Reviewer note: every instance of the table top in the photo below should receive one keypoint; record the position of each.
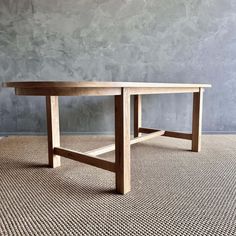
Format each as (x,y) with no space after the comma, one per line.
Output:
(99,84)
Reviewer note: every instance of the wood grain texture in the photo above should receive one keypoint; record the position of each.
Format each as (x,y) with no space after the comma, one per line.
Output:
(137,114)
(99,91)
(98,84)
(122,92)
(101,150)
(179,135)
(67,91)
(60,88)
(163,90)
(122,142)
(197,120)
(148,136)
(111,147)
(171,134)
(53,129)
(84,158)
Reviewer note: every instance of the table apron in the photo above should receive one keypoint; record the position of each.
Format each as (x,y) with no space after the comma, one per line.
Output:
(68,91)
(103,91)
(140,91)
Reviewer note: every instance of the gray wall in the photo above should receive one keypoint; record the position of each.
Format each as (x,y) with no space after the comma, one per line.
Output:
(119,40)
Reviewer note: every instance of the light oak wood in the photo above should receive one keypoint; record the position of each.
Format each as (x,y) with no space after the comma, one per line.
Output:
(87,159)
(171,134)
(122,92)
(197,121)
(179,135)
(60,91)
(101,150)
(122,142)
(98,84)
(111,147)
(53,129)
(147,130)
(162,90)
(93,91)
(61,88)
(148,136)
(137,114)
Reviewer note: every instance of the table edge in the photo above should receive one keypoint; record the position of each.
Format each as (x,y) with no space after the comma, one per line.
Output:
(98,84)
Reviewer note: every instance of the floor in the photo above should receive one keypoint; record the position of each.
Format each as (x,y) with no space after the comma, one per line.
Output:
(174,191)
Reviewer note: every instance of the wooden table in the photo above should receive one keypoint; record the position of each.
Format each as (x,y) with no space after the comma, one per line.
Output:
(122,91)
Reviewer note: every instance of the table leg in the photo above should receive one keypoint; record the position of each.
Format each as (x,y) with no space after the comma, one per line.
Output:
(53,130)
(137,115)
(197,120)
(122,142)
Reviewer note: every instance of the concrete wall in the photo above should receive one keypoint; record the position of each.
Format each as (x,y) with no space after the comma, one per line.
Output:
(119,40)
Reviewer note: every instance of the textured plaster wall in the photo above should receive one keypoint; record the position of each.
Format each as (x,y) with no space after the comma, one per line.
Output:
(119,40)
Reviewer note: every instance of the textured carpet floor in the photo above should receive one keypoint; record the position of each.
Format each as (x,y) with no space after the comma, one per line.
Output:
(174,191)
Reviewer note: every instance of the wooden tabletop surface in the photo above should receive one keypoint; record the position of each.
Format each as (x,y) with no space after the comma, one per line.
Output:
(98,84)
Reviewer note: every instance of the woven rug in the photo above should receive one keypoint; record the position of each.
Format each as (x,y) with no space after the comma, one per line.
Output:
(174,191)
